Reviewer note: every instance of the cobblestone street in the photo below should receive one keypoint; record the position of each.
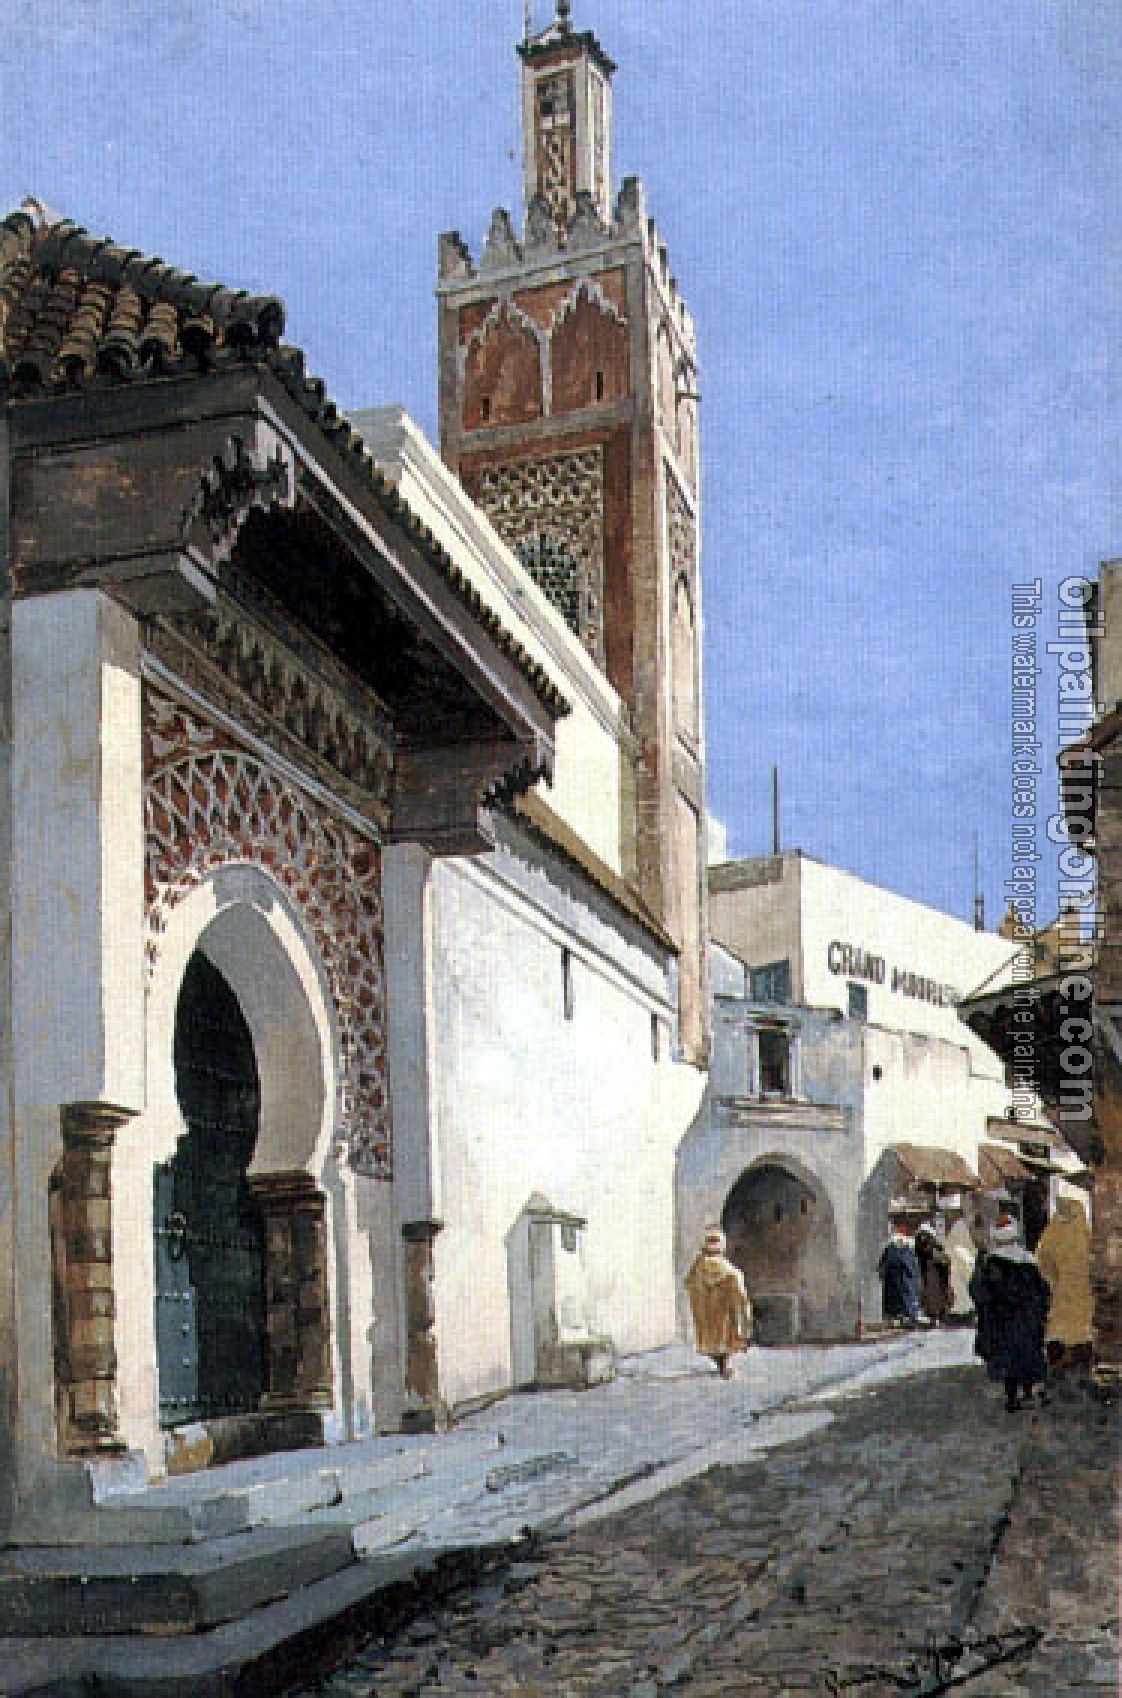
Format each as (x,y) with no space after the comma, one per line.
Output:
(919,1541)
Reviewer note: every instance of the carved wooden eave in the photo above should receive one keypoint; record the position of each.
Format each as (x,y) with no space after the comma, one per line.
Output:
(274,569)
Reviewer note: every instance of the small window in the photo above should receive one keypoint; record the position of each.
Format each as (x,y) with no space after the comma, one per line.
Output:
(485,407)
(771,983)
(804,1205)
(598,386)
(778,1213)
(878,1070)
(775,1063)
(567,983)
(858,1000)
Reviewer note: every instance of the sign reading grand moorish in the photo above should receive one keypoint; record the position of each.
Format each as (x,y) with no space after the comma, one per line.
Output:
(855,963)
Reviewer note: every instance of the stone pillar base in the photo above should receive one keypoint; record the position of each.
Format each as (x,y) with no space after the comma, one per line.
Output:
(297,1302)
(424,1410)
(81,1220)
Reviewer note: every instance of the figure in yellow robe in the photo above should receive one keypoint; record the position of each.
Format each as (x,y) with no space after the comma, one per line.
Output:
(722,1314)
(1063,1256)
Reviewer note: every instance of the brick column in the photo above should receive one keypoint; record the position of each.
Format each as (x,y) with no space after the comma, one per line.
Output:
(84,1311)
(424,1411)
(297,1301)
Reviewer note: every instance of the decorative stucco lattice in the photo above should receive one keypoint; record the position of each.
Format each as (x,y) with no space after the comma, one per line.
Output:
(551,512)
(681,530)
(553,568)
(208,804)
(556,99)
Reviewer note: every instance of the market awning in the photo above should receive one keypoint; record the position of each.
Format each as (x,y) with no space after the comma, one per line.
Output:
(997,1165)
(1025,1132)
(930,1164)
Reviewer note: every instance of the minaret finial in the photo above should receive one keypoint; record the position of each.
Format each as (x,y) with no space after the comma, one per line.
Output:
(564,9)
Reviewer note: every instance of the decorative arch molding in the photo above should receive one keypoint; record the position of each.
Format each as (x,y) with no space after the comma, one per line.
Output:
(589,351)
(210,804)
(665,378)
(528,384)
(587,290)
(505,307)
(683,654)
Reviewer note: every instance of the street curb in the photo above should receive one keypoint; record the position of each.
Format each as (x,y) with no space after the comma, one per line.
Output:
(268,1652)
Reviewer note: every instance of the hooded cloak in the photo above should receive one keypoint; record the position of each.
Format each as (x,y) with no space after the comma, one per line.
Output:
(1063,1256)
(722,1315)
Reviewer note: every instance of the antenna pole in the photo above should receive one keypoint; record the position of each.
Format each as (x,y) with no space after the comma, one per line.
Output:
(775,810)
(979,896)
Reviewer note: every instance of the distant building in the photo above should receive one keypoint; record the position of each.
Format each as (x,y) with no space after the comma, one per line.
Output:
(843,1088)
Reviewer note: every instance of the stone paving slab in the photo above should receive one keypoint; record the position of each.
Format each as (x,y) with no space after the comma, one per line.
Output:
(724,1582)
(919,1543)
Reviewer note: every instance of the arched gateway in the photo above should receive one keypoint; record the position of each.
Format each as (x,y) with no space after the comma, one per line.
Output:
(780,1227)
(244,1287)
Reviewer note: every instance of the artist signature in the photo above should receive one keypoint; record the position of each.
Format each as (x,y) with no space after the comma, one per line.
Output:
(939,1666)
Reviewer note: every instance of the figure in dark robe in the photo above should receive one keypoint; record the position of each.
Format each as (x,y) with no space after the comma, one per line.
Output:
(1011,1296)
(899,1277)
(934,1274)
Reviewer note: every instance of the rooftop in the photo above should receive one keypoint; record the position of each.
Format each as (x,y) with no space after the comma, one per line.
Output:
(81,314)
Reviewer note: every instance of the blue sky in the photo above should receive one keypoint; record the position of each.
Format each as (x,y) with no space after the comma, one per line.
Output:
(894,221)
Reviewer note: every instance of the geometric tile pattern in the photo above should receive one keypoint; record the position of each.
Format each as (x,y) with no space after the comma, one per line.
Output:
(209,803)
(550,510)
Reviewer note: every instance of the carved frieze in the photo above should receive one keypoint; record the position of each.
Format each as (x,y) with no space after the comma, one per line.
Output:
(236,481)
(296,702)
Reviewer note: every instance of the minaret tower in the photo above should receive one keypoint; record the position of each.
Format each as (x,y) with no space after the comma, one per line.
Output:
(566,121)
(568,408)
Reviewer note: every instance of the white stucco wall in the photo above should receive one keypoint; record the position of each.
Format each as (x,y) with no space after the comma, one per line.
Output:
(909,937)
(769,908)
(526,1102)
(910,1073)
(77,917)
(586,790)
(930,1091)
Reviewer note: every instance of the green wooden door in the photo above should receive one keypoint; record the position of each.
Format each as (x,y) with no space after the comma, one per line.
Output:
(209,1246)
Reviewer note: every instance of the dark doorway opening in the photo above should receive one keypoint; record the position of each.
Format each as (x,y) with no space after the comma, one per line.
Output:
(209,1238)
(781,1235)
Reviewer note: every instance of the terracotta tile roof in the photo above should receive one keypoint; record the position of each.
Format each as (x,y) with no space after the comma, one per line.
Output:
(79,311)
(74,307)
